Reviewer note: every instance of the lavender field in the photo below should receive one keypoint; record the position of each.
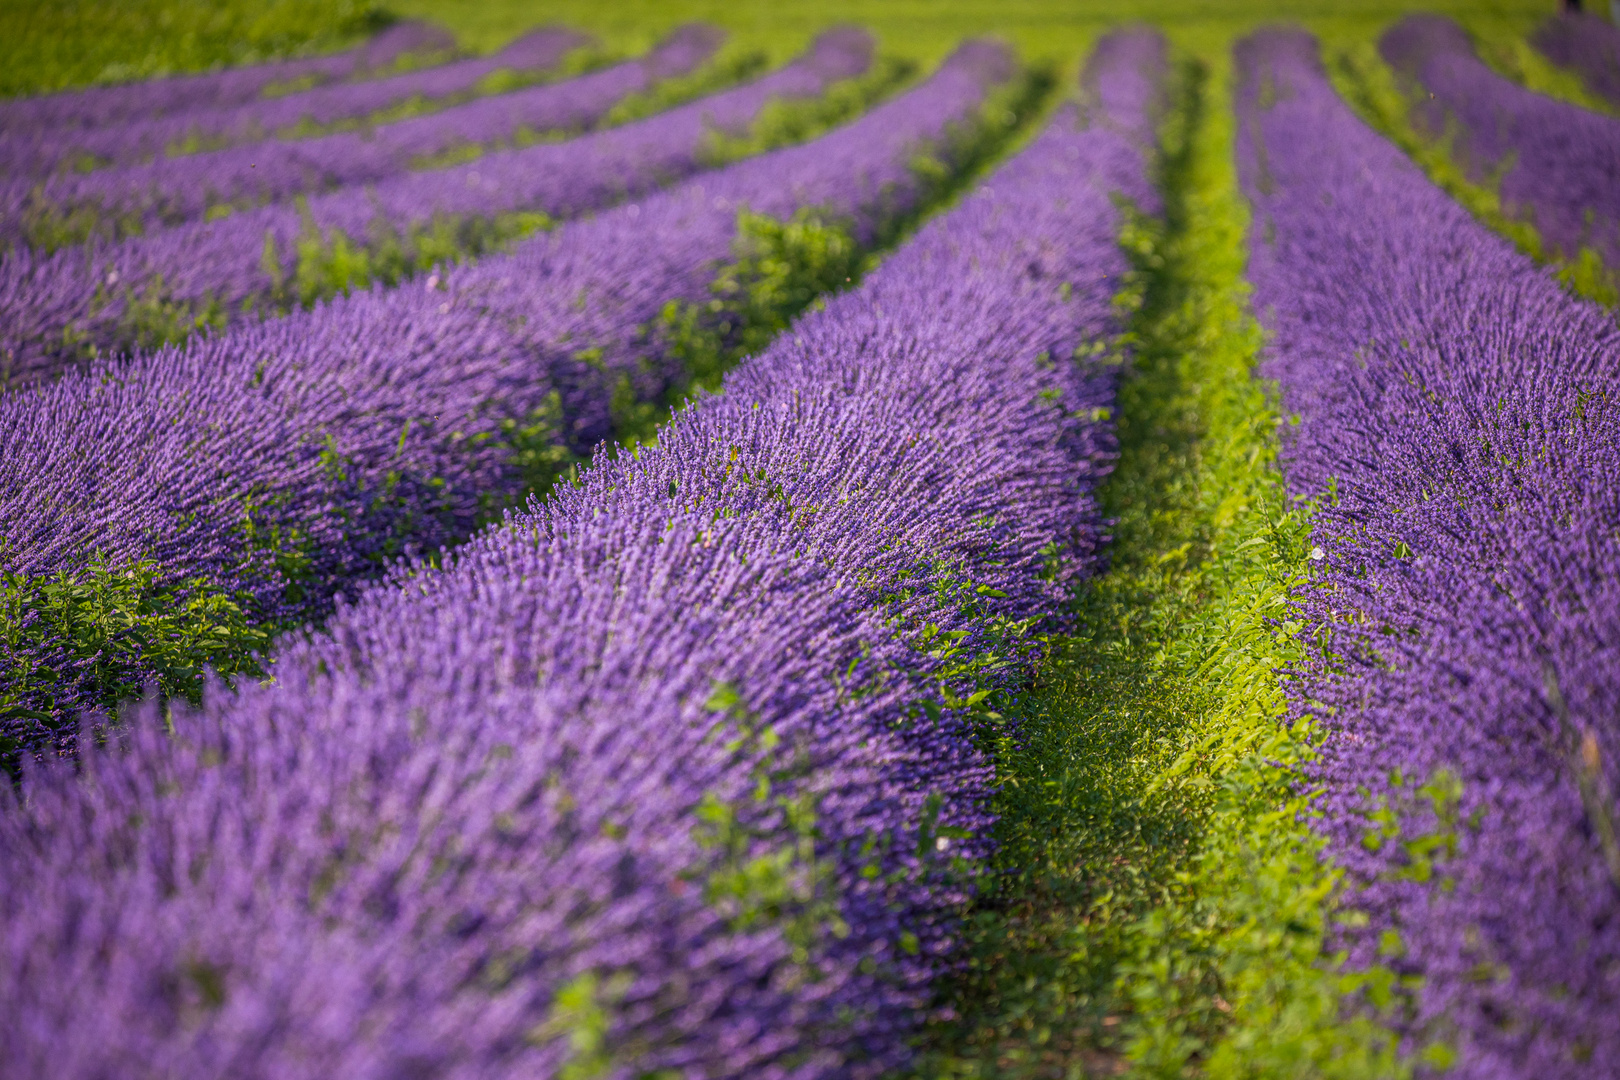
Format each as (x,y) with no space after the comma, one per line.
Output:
(663,543)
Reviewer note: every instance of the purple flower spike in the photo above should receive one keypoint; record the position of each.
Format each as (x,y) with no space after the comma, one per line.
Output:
(1459,418)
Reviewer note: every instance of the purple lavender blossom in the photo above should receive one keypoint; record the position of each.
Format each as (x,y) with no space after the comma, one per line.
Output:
(648,762)
(1561,162)
(1458,421)
(174,189)
(100,106)
(371,427)
(52,306)
(36,152)
(1586,44)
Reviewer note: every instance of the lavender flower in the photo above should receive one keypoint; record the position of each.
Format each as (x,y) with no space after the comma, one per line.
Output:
(1458,422)
(37,151)
(56,308)
(1559,164)
(644,782)
(101,106)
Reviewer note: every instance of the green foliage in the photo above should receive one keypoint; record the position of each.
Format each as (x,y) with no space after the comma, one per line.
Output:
(1161,906)
(581,1013)
(92,629)
(332,263)
(1377,94)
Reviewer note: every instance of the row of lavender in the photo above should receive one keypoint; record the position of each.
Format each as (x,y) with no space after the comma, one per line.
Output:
(84,301)
(1555,165)
(1458,420)
(34,152)
(648,780)
(75,110)
(168,190)
(277,463)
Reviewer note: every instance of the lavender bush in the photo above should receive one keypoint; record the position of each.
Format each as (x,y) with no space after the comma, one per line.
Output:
(101,106)
(663,777)
(249,476)
(174,189)
(37,151)
(1587,44)
(1558,164)
(1457,420)
(79,302)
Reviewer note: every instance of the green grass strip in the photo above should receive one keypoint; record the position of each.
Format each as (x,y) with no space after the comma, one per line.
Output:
(1161,906)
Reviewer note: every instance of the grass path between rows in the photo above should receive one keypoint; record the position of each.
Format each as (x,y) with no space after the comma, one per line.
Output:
(1161,909)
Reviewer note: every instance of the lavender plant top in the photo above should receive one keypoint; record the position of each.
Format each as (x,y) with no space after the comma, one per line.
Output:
(105,105)
(283,460)
(1587,44)
(171,189)
(650,762)
(51,306)
(37,151)
(1559,164)
(1458,419)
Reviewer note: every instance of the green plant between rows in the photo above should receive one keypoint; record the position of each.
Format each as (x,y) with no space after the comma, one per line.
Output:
(1162,907)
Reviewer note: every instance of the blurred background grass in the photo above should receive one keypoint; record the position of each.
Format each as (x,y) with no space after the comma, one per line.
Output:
(51,44)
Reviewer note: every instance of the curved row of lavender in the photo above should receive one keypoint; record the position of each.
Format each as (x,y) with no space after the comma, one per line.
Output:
(56,308)
(1458,416)
(170,190)
(100,106)
(1562,162)
(1588,45)
(34,152)
(642,783)
(372,425)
